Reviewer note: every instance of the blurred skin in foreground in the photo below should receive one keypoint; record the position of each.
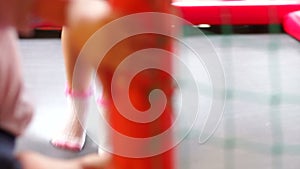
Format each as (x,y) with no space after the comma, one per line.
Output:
(31,160)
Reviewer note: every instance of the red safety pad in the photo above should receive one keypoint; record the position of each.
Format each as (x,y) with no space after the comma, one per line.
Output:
(236,12)
(291,24)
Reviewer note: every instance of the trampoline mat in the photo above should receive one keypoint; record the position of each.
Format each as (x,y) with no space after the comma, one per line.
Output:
(260,126)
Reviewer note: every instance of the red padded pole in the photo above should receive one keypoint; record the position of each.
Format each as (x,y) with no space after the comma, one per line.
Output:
(138,92)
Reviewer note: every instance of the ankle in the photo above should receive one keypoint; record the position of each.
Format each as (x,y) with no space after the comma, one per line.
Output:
(79,93)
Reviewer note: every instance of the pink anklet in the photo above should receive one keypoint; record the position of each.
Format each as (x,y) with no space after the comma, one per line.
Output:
(84,94)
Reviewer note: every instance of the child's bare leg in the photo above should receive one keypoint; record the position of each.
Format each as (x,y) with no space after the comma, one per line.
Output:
(72,136)
(74,36)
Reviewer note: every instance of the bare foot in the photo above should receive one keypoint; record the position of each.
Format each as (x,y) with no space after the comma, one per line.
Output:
(72,137)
